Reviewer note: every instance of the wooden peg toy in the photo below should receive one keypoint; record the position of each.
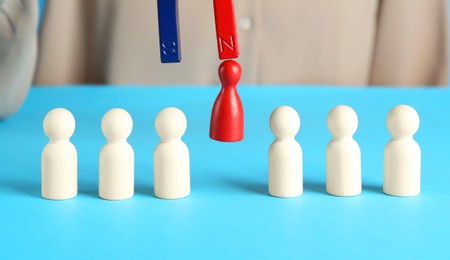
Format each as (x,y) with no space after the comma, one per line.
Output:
(227,117)
(59,166)
(226,33)
(402,154)
(169,31)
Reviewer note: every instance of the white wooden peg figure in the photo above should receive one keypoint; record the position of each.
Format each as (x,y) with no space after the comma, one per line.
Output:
(116,162)
(59,157)
(402,155)
(171,156)
(343,155)
(285,154)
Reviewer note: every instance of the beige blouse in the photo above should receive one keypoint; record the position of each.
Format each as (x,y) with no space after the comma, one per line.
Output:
(342,42)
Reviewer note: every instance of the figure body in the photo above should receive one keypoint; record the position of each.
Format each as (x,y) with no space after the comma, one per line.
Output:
(116,162)
(227,116)
(59,157)
(171,156)
(285,154)
(402,155)
(343,155)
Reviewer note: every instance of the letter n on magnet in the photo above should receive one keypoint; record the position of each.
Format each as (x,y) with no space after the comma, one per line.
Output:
(226,33)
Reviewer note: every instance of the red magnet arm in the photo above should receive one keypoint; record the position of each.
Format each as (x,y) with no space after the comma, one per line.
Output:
(227,117)
(227,41)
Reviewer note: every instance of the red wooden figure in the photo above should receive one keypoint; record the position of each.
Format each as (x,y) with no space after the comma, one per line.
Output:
(227,117)
(227,41)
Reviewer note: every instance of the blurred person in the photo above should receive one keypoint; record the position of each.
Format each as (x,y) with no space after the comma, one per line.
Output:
(345,42)
(18,47)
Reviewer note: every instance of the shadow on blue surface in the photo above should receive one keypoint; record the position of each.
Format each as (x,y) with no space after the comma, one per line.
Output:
(90,192)
(247,186)
(261,188)
(144,190)
(27,188)
(373,188)
(313,186)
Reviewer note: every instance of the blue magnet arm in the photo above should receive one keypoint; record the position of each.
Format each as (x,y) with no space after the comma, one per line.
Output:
(169,35)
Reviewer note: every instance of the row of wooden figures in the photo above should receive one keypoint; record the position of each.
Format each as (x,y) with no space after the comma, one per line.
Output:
(402,156)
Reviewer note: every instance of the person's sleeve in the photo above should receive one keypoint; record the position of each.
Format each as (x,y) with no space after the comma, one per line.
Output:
(411,47)
(63,43)
(18,48)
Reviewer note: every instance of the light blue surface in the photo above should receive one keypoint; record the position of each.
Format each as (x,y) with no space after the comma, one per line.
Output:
(229,213)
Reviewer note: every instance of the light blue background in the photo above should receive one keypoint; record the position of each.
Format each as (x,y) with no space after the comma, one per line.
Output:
(229,213)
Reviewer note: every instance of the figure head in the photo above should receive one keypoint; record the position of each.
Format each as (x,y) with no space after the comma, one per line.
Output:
(117,124)
(170,123)
(342,121)
(284,122)
(230,73)
(59,124)
(402,121)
